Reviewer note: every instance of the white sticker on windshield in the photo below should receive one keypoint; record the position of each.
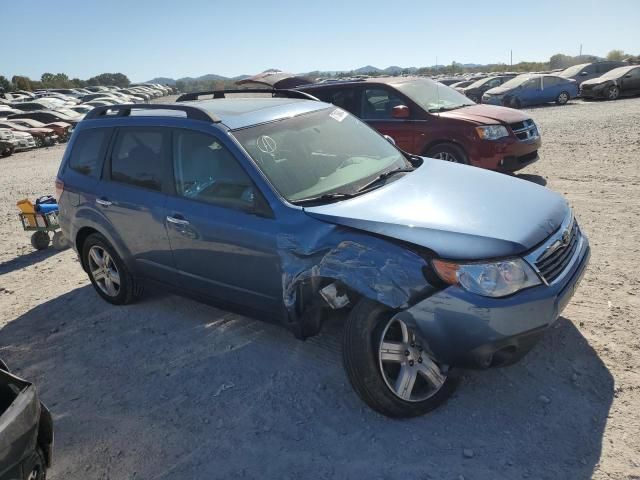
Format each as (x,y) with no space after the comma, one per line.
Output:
(338,114)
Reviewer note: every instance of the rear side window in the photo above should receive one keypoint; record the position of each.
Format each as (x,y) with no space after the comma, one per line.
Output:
(88,151)
(139,157)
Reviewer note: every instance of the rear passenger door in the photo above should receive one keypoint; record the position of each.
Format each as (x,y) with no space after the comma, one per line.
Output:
(132,197)
(222,236)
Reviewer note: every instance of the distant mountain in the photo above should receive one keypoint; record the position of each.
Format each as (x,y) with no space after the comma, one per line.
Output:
(367,69)
(163,81)
(207,77)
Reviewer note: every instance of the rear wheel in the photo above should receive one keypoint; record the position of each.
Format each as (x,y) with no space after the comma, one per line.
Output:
(613,93)
(107,272)
(563,98)
(8,152)
(40,240)
(388,364)
(448,152)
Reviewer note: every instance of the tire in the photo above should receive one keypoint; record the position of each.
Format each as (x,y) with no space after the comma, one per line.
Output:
(613,93)
(59,242)
(563,98)
(448,152)
(40,240)
(113,281)
(367,324)
(39,469)
(8,152)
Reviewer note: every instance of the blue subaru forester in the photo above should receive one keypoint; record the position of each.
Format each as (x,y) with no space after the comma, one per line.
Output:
(287,208)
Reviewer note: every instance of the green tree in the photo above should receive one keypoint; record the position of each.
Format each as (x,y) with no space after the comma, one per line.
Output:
(616,55)
(47,79)
(117,79)
(5,85)
(21,83)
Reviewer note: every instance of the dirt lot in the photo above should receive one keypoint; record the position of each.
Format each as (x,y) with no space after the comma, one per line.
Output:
(169,388)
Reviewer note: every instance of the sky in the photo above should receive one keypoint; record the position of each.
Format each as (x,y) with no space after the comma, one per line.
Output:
(175,38)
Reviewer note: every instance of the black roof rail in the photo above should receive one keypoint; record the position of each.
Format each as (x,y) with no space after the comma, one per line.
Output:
(286,93)
(124,110)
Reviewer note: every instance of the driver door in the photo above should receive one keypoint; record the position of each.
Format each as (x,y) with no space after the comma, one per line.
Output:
(223,247)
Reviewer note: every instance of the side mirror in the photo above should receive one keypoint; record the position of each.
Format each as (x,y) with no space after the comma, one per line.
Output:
(628,75)
(583,73)
(400,111)
(390,139)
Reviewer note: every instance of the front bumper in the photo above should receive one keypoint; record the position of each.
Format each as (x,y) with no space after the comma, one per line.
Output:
(507,154)
(594,93)
(466,330)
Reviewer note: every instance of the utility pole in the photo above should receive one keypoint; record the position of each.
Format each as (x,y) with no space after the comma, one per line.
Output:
(580,49)
(511,57)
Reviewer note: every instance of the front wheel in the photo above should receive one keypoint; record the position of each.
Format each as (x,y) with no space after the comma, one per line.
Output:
(563,98)
(38,469)
(614,93)
(447,152)
(389,366)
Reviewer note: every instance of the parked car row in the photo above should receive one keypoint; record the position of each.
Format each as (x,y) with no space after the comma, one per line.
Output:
(46,117)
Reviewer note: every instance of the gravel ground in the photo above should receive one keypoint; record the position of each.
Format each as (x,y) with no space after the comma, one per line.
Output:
(169,388)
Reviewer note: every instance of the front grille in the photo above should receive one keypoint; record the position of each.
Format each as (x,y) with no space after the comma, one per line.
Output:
(559,254)
(525,130)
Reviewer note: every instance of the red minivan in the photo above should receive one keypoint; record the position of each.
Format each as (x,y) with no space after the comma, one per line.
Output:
(427,118)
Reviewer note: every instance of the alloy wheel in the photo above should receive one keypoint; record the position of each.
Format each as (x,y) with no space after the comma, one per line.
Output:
(563,98)
(613,93)
(406,368)
(104,271)
(447,157)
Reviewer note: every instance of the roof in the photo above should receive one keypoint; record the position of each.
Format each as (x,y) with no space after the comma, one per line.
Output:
(244,112)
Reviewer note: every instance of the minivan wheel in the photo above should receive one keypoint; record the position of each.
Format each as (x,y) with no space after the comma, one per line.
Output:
(447,152)
(107,272)
(614,92)
(562,98)
(388,365)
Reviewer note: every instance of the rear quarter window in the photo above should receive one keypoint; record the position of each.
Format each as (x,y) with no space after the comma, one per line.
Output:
(88,151)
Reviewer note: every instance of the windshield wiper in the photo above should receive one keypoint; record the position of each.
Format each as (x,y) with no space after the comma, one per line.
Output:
(325,197)
(384,176)
(446,109)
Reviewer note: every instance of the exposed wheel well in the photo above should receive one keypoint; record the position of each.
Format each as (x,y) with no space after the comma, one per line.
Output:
(81,236)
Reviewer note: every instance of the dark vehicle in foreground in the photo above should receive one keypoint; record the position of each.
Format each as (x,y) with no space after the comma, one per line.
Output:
(532,89)
(426,118)
(26,430)
(623,81)
(587,71)
(475,90)
(289,209)
(47,116)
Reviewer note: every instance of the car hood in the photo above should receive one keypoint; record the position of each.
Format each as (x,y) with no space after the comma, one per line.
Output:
(458,211)
(597,81)
(486,114)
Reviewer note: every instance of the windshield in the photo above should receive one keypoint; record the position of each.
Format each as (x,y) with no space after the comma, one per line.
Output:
(323,152)
(616,72)
(515,82)
(572,71)
(432,96)
(481,82)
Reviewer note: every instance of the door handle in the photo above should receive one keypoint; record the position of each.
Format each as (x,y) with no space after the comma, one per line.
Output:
(103,202)
(177,221)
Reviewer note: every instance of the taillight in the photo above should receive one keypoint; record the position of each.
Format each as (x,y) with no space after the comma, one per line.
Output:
(59,188)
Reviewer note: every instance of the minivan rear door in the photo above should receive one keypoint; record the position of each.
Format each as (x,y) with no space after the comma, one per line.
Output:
(132,198)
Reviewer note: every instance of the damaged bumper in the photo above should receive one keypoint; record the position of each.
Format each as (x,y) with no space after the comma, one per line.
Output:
(469,331)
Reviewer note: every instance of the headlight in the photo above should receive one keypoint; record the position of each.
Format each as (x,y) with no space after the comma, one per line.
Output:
(495,279)
(492,132)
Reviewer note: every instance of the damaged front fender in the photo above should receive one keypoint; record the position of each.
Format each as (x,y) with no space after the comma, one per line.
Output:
(371,266)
